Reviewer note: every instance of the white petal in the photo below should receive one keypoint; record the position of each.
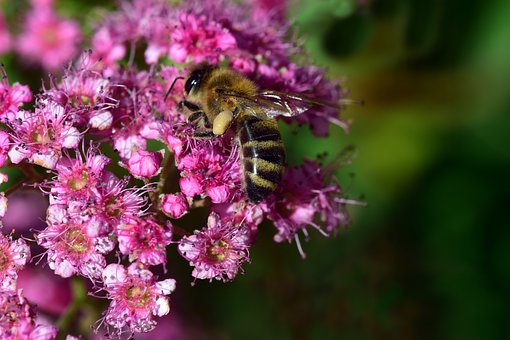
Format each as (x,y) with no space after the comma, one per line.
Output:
(114,274)
(101,120)
(162,306)
(165,287)
(70,137)
(46,160)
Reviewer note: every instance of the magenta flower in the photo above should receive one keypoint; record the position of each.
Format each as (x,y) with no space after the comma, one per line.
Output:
(41,135)
(75,246)
(303,198)
(218,251)
(14,255)
(145,164)
(197,39)
(174,205)
(85,95)
(210,168)
(145,240)
(136,297)
(17,319)
(47,39)
(77,177)
(110,100)
(106,49)
(115,201)
(12,97)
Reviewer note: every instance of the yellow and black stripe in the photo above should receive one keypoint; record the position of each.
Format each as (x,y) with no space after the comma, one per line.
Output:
(263,155)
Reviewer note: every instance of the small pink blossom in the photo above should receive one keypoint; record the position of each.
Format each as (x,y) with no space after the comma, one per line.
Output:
(174,205)
(136,297)
(114,201)
(73,244)
(190,186)
(85,95)
(106,49)
(304,198)
(19,322)
(127,145)
(41,135)
(145,164)
(47,39)
(3,178)
(218,251)
(12,97)
(197,39)
(144,239)
(14,255)
(77,177)
(210,168)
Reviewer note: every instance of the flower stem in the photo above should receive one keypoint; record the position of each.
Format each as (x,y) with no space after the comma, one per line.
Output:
(65,322)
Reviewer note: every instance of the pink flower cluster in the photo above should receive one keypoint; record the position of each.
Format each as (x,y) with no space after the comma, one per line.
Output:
(115,147)
(45,38)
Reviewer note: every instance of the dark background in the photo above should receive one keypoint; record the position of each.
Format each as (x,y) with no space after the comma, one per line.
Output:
(429,256)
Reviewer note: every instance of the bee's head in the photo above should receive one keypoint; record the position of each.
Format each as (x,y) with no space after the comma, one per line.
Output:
(196,76)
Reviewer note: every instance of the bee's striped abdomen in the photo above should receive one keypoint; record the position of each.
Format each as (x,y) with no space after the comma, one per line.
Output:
(263,156)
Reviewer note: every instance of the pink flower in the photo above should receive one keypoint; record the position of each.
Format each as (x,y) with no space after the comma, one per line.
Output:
(145,240)
(136,297)
(145,164)
(74,245)
(47,39)
(41,135)
(304,197)
(5,36)
(174,205)
(115,201)
(197,39)
(106,49)
(12,97)
(77,177)
(20,321)
(210,167)
(126,145)
(218,251)
(85,95)
(14,255)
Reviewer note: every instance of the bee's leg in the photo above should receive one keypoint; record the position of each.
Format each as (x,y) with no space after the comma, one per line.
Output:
(203,133)
(187,106)
(196,116)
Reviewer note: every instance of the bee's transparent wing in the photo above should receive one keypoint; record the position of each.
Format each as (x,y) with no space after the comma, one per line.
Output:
(295,103)
(271,104)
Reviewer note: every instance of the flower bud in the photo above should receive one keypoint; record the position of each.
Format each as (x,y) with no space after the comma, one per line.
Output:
(174,205)
(145,164)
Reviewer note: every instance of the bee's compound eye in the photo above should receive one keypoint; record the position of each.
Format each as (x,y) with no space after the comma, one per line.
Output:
(193,80)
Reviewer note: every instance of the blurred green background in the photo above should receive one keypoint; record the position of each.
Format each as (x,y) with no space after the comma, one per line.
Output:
(429,257)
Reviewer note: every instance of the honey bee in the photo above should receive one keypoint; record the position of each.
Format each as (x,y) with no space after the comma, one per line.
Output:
(220,98)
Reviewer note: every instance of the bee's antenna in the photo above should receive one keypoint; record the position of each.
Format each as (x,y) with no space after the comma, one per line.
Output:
(172,86)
